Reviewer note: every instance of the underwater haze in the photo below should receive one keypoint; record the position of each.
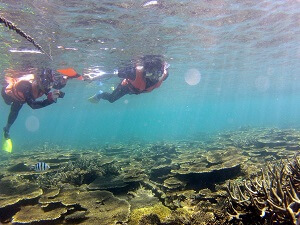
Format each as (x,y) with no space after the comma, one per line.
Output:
(233,64)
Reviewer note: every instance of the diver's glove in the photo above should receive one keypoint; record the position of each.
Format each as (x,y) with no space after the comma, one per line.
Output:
(52,96)
(6,133)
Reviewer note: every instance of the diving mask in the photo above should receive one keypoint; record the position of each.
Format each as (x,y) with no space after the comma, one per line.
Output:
(46,79)
(59,81)
(157,73)
(154,74)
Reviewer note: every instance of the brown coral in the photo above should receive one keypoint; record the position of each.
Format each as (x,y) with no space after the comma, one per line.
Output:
(272,199)
(101,207)
(34,214)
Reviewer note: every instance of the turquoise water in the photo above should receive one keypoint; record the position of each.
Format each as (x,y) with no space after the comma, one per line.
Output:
(246,54)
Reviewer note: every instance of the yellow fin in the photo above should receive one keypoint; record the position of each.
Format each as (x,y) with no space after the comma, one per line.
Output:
(6,145)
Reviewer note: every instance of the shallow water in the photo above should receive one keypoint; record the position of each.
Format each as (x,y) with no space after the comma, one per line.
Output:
(229,107)
(246,54)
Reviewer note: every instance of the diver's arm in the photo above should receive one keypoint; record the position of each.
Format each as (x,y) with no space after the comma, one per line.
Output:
(34,104)
(25,88)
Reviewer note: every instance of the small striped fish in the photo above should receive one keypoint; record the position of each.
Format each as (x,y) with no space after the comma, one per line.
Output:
(40,166)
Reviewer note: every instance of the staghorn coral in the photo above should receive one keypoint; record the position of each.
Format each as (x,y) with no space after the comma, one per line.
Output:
(272,199)
(293,169)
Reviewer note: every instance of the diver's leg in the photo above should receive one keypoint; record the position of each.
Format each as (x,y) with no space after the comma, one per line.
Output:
(119,92)
(14,111)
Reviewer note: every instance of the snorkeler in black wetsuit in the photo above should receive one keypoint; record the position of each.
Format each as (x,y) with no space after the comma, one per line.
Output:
(147,74)
(26,89)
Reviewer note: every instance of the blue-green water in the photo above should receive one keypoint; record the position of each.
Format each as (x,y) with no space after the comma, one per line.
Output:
(246,52)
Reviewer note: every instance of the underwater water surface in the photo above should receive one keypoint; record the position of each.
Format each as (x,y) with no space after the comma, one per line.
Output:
(232,64)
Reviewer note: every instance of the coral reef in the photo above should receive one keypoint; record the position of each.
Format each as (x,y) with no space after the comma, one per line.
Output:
(33,214)
(161,211)
(92,207)
(272,199)
(149,219)
(83,170)
(182,182)
(142,197)
(13,193)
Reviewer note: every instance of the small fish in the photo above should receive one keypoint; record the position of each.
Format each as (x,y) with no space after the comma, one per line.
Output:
(40,166)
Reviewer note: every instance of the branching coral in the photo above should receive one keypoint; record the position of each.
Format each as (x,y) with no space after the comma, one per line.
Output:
(84,170)
(275,196)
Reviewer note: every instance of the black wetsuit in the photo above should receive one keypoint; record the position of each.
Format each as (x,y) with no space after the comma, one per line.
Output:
(26,88)
(121,90)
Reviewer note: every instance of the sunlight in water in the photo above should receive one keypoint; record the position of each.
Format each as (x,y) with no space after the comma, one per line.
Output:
(192,77)
(32,123)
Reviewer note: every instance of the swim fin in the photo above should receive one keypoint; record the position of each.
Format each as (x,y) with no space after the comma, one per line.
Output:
(6,144)
(93,99)
(69,72)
